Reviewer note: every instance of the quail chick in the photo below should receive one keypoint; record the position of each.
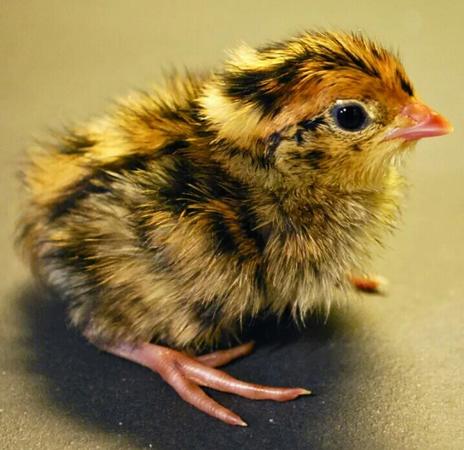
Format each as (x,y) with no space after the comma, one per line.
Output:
(259,187)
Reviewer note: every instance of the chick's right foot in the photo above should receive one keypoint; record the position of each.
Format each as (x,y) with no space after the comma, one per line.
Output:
(186,374)
(369,284)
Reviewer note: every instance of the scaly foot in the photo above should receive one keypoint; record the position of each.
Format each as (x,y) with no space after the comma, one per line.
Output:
(186,374)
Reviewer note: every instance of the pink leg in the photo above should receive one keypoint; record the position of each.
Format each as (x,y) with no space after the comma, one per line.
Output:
(223,357)
(186,374)
(370,285)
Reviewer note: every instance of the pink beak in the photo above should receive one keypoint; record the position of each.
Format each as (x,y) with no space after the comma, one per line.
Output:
(421,121)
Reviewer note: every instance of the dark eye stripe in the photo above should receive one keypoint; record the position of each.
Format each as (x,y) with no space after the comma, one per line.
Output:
(299,137)
(311,124)
(274,140)
(272,145)
(307,125)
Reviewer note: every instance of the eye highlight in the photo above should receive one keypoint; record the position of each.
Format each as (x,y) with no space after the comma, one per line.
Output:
(350,116)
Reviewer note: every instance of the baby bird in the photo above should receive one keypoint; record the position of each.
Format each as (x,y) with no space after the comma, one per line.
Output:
(261,187)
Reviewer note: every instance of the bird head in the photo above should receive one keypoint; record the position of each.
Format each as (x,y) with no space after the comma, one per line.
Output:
(328,106)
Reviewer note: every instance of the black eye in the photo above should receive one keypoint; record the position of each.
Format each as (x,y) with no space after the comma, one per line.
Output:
(350,117)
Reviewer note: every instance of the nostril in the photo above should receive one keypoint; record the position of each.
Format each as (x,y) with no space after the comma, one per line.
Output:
(416,121)
(417,112)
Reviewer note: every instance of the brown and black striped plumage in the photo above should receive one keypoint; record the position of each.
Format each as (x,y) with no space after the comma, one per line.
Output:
(185,211)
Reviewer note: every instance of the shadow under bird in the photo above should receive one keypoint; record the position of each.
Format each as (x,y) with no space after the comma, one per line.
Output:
(261,187)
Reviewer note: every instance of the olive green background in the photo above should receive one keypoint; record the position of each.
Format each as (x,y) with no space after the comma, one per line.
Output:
(387,371)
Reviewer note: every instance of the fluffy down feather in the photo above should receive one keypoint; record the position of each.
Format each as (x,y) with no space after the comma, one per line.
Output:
(186,210)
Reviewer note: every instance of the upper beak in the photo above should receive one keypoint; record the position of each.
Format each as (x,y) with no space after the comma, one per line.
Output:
(416,121)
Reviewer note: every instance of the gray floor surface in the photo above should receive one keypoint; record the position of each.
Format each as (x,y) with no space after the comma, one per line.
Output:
(387,371)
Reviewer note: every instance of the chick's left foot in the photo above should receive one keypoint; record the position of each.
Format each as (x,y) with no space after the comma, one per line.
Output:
(186,374)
